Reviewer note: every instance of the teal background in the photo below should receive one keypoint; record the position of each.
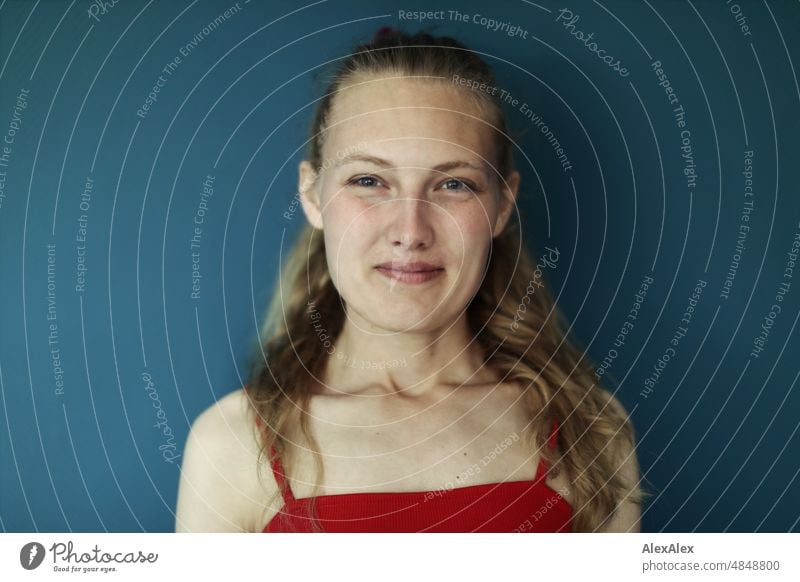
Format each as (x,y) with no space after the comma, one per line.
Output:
(718,442)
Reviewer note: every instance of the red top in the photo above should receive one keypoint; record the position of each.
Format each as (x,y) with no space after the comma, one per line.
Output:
(510,506)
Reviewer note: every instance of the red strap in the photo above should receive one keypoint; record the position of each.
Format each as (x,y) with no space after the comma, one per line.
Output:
(554,433)
(277,470)
(544,466)
(280,476)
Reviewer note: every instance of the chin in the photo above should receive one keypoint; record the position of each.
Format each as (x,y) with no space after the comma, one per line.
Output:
(399,320)
(424,320)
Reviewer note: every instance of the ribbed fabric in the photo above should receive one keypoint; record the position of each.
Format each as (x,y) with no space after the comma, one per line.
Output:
(512,506)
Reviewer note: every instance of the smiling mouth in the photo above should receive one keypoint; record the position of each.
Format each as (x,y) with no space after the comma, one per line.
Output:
(410,276)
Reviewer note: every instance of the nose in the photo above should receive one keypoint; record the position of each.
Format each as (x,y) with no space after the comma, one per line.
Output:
(411,228)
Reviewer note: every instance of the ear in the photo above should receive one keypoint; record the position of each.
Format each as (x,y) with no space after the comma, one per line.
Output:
(508,197)
(309,198)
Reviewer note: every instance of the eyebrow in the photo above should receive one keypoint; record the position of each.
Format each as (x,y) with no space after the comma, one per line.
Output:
(443,167)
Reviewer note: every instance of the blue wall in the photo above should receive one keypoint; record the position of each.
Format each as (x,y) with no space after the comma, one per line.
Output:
(106,359)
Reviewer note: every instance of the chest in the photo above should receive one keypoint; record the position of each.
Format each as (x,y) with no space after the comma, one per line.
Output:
(391,445)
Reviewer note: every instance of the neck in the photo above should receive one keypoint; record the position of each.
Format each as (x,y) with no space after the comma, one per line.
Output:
(408,363)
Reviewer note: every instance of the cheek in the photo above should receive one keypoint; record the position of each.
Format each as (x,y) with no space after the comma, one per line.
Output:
(472,228)
(346,228)
(469,239)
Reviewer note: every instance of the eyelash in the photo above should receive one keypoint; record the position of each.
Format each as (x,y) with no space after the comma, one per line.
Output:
(466,184)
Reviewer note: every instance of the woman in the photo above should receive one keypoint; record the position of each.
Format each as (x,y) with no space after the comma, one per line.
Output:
(411,378)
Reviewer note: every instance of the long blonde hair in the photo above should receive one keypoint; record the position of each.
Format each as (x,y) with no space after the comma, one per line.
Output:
(533,350)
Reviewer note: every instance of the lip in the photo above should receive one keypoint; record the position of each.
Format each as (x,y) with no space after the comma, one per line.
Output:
(409,266)
(413,272)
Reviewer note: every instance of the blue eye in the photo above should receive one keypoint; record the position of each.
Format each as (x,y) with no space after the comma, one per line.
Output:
(364,181)
(459,185)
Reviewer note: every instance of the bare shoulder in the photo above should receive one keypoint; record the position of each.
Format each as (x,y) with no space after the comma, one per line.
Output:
(628,515)
(219,487)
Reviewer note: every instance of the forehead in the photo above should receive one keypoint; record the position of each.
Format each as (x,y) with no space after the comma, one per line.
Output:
(411,117)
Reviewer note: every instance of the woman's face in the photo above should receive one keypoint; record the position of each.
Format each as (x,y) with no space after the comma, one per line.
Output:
(407,177)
